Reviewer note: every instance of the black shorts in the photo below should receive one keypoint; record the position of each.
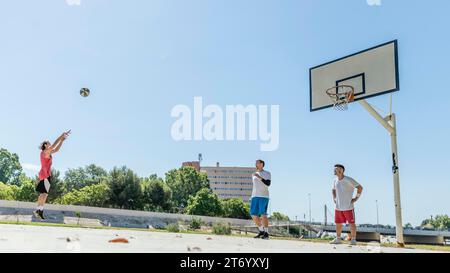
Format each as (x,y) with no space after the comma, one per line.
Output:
(44,185)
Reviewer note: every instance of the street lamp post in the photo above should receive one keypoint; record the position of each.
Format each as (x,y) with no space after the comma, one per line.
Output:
(309,196)
(310,222)
(378,220)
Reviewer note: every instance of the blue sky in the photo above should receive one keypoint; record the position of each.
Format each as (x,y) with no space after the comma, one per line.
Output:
(141,58)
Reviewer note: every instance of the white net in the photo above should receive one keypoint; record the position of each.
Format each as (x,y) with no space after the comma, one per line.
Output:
(341,95)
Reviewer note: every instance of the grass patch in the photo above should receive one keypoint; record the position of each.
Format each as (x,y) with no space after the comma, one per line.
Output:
(423,247)
(195,223)
(173,227)
(221,229)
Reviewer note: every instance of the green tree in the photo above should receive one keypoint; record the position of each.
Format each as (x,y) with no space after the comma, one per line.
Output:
(84,176)
(185,182)
(441,222)
(156,195)
(7,192)
(94,195)
(278,216)
(235,208)
(27,190)
(10,168)
(206,203)
(124,188)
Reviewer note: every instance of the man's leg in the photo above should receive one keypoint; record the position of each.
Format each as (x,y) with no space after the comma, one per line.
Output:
(258,223)
(338,230)
(339,219)
(353,231)
(256,220)
(265,221)
(254,211)
(350,215)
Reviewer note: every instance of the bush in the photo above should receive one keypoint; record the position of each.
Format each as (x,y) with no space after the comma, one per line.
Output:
(235,208)
(195,223)
(221,228)
(184,183)
(277,216)
(27,191)
(94,195)
(206,203)
(7,192)
(125,190)
(173,227)
(156,195)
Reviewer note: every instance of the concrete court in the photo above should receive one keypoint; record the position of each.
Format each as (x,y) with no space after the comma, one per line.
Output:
(23,238)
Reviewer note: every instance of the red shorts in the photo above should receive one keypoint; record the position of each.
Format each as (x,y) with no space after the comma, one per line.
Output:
(343,217)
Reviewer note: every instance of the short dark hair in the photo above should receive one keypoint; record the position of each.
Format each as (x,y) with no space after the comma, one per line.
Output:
(262,162)
(340,166)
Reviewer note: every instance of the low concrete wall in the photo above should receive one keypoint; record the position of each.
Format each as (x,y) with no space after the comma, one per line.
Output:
(106,216)
(368,236)
(429,240)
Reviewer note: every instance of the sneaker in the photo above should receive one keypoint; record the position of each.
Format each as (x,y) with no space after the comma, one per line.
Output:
(260,234)
(353,242)
(41,214)
(265,236)
(36,214)
(336,241)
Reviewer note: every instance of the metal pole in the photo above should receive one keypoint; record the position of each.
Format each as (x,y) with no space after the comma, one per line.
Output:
(378,222)
(325,214)
(309,196)
(396,179)
(391,127)
(377,116)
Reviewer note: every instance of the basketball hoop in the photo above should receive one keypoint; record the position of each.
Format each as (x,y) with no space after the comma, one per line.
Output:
(341,96)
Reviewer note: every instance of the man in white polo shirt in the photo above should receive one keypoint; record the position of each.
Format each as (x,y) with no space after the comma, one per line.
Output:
(343,189)
(260,199)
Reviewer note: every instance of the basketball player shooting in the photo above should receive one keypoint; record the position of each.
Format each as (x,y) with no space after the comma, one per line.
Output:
(43,186)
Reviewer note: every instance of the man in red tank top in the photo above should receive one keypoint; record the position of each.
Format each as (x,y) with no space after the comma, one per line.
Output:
(43,186)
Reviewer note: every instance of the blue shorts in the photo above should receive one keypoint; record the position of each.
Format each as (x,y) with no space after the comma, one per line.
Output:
(258,206)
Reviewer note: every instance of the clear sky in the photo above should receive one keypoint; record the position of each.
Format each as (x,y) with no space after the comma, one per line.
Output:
(141,58)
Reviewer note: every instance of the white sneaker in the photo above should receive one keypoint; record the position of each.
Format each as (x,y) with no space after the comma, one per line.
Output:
(353,242)
(336,241)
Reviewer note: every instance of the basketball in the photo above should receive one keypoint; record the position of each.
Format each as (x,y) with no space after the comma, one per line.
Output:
(84,92)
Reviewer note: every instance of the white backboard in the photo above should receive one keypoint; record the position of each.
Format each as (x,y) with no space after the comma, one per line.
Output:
(371,72)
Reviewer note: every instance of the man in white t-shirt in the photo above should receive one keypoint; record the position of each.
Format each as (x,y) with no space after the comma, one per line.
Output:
(343,189)
(260,199)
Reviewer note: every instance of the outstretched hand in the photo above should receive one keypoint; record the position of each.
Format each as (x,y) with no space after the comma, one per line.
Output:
(67,133)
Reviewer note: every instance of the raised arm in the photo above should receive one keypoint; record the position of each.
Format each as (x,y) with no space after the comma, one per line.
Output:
(56,149)
(59,141)
(56,142)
